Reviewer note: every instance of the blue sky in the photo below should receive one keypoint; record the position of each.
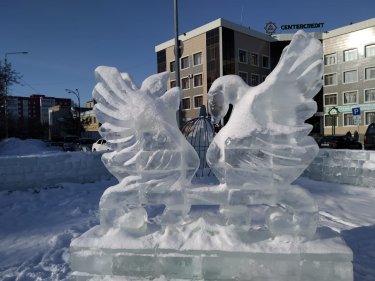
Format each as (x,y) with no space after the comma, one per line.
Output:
(68,39)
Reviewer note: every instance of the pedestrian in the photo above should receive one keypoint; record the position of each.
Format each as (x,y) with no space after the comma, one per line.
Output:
(356,135)
(349,135)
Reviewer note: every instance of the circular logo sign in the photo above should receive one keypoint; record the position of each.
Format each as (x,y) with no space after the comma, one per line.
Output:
(270,28)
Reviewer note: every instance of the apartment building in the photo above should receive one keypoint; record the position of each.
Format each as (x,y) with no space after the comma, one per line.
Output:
(349,77)
(210,51)
(33,107)
(222,47)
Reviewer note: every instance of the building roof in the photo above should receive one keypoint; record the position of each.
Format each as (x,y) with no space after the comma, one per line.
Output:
(350,28)
(276,37)
(212,25)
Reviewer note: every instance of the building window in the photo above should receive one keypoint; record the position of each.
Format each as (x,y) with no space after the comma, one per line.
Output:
(264,77)
(350,55)
(172,83)
(348,119)
(254,59)
(369,117)
(161,61)
(330,99)
(328,120)
(184,62)
(197,59)
(243,75)
(254,80)
(242,56)
(370,51)
(198,80)
(198,101)
(350,76)
(330,79)
(211,53)
(265,62)
(172,66)
(370,73)
(185,83)
(370,95)
(350,97)
(329,59)
(186,103)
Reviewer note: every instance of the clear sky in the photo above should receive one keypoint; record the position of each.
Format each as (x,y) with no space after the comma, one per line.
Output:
(68,39)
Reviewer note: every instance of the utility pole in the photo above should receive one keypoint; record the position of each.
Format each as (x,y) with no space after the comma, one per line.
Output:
(177,57)
(76,93)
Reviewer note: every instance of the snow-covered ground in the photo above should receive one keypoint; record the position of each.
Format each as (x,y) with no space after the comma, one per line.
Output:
(38,225)
(17,147)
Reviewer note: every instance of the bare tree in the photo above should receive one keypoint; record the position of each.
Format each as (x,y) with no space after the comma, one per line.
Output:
(8,77)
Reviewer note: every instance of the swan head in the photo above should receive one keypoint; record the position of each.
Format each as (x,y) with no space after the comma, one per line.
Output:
(224,91)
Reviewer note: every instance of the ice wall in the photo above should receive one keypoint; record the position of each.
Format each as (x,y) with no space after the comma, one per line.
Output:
(36,171)
(352,167)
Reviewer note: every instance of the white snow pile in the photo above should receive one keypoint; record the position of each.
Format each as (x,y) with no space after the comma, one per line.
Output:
(17,147)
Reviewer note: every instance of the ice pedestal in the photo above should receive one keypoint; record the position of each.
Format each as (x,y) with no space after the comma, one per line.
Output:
(207,247)
(273,259)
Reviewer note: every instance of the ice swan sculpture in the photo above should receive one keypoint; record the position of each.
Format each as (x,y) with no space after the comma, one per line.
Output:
(254,225)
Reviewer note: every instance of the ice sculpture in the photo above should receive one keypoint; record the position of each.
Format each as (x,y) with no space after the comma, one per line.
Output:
(255,225)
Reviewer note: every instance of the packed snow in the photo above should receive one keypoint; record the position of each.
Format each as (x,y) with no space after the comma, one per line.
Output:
(17,147)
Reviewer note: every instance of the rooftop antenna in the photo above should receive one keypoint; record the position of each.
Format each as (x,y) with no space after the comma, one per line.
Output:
(241,15)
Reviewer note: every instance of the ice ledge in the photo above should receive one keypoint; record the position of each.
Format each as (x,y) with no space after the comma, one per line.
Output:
(95,256)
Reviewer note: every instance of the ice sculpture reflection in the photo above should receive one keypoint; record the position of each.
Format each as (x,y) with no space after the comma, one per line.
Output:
(149,226)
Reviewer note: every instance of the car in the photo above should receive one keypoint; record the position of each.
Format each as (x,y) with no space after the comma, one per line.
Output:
(100,145)
(84,144)
(369,140)
(69,143)
(339,142)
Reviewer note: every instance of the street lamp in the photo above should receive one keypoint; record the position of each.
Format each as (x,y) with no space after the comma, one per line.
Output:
(6,88)
(76,93)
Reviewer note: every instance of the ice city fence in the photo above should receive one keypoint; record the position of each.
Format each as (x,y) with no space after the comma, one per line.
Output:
(46,170)
(353,167)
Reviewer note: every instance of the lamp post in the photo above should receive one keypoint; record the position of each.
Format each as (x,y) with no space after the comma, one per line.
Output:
(6,78)
(177,56)
(76,93)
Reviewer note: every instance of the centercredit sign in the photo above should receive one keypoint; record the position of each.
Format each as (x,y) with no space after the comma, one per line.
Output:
(271,27)
(302,26)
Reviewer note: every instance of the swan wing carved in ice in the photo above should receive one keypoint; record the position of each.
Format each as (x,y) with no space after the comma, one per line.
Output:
(140,126)
(266,138)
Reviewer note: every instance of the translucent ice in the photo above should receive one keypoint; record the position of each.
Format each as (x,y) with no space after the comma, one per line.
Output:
(265,139)
(156,223)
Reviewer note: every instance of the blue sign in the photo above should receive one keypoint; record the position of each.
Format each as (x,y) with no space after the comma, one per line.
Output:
(356,111)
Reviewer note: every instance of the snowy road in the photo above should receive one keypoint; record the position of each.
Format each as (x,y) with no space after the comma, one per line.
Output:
(36,227)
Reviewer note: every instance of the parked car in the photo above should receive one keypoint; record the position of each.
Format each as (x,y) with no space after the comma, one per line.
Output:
(84,144)
(339,142)
(369,140)
(100,145)
(69,143)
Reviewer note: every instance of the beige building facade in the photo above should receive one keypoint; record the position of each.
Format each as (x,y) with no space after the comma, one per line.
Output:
(222,47)
(349,78)
(210,51)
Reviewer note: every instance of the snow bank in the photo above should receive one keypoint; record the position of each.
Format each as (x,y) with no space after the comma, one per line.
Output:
(14,146)
(354,167)
(45,170)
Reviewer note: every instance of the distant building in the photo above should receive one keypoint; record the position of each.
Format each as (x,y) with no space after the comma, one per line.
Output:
(90,124)
(58,116)
(222,47)
(33,107)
